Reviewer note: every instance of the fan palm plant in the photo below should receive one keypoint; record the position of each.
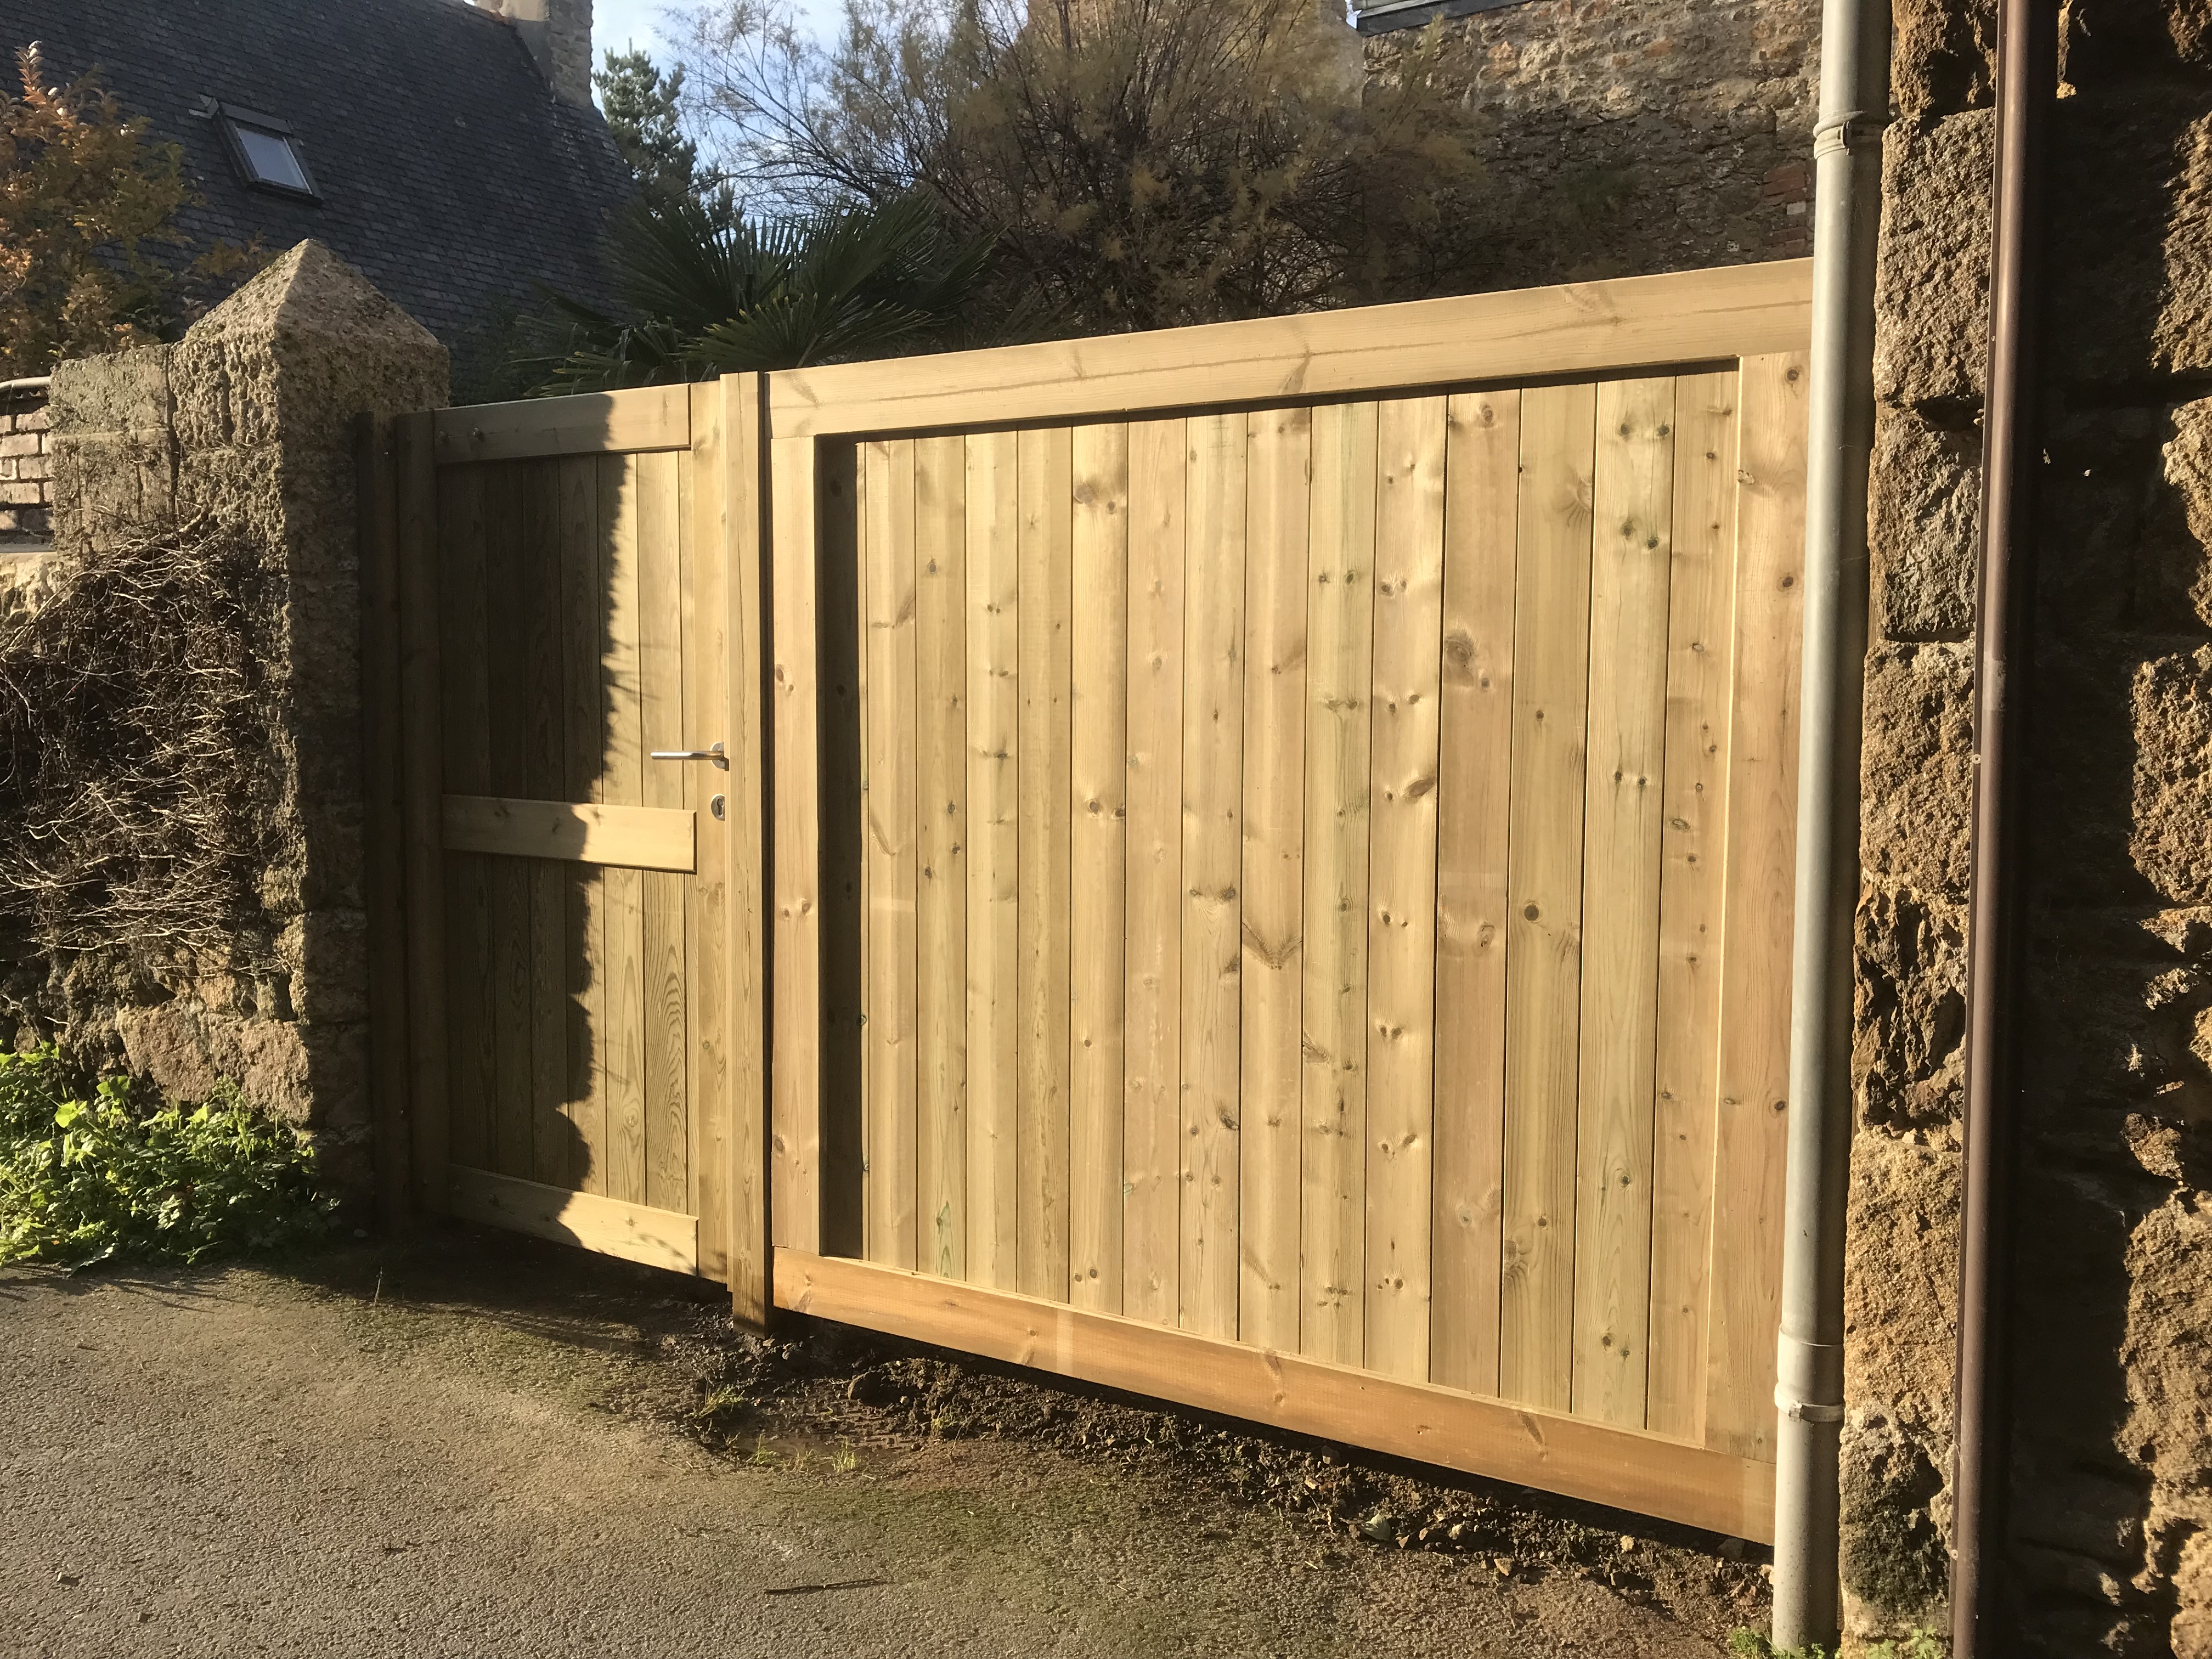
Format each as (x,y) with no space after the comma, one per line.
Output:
(706,290)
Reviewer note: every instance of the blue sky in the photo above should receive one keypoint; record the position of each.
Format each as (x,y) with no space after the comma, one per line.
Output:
(615,24)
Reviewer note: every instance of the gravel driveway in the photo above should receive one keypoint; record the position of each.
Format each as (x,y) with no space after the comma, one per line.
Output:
(470,1446)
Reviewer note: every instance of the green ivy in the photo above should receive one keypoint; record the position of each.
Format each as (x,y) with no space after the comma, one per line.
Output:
(85,1179)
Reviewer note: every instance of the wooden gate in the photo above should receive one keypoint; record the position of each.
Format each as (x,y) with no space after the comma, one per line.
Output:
(1255,866)
(1300,921)
(581,804)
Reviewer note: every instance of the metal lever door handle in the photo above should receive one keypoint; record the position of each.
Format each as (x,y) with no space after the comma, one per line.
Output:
(715,754)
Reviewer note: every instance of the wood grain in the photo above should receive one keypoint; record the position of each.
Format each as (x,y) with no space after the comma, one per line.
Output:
(1543,952)
(1401,899)
(751,1255)
(658,1238)
(511,1127)
(1212,853)
(1679,317)
(941,854)
(1152,969)
(1632,513)
(1552,1452)
(1693,845)
(430,1054)
(1339,684)
(464,700)
(631,838)
(584,423)
(1475,774)
(583,893)
(660,710)
(705,576)
(888,541)
(1754,1016)
(1097,838)
(994,861)
(1044,673)
(795,880)
(1273,985)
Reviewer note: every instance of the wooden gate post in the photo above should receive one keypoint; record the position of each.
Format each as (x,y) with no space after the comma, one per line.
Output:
(422,782)
(744,533)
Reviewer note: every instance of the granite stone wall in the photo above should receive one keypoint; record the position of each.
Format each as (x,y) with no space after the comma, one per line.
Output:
(248,422)
(2111,1540)
(1627,136)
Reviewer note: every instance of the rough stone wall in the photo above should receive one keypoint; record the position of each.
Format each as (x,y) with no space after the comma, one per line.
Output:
(2110,1545)
(1636,135)
(25,492)
(249,419)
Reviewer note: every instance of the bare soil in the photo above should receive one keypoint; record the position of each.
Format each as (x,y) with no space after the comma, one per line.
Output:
(472,1445)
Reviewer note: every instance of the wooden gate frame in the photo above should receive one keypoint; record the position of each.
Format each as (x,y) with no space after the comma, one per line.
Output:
(1614,327)
(403,768)
(772,427)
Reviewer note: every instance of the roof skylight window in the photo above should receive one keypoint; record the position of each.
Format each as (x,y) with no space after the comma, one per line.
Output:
(267,155)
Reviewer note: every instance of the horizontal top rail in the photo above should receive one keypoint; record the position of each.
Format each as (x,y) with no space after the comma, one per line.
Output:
(1634,322)
(589,424)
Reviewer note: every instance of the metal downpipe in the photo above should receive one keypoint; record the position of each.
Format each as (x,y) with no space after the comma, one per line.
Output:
(2027,91)
(1809,1373)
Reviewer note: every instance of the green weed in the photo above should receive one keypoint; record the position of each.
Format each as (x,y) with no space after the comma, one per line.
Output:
(85,1177)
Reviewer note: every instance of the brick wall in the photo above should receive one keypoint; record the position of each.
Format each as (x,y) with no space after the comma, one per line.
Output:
(25,488)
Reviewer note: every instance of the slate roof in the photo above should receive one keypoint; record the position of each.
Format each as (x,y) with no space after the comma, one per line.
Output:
(449,173)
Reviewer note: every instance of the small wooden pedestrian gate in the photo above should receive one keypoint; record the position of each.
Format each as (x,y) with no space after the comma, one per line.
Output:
(1255,865)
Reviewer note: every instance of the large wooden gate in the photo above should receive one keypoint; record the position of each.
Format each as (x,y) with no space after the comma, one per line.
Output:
(1274,843)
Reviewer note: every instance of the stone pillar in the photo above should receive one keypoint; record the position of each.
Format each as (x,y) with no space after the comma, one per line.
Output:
(2112,1263)
(249,419)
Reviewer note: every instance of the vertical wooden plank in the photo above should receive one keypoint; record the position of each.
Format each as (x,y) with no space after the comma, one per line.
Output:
(1273,984)
(660,712)
(1340,620)
(1700,638)
(583,599)
(1152,895)
(621,783)
(940,540)
(839,833)
(795,1064)
(888,538)
(421,762)
(1045,642)
(1402,901)
(750,1250)
(1754,1032)
(1212,856)
(505,667)
(1098,748)
(543,606)
(705,586)
(383,820)
(1543,956)
(994,856)
(1631,513)
(1474,772)
(464,705)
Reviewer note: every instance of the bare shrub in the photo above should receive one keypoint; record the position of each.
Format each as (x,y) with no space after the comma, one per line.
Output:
(141,753)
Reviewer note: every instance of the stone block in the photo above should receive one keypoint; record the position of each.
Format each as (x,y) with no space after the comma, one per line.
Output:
(1917,771)
(126,391)
(2173,799)
(1932,286)
(1908,1051)
(1924,522)
(1943,57)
